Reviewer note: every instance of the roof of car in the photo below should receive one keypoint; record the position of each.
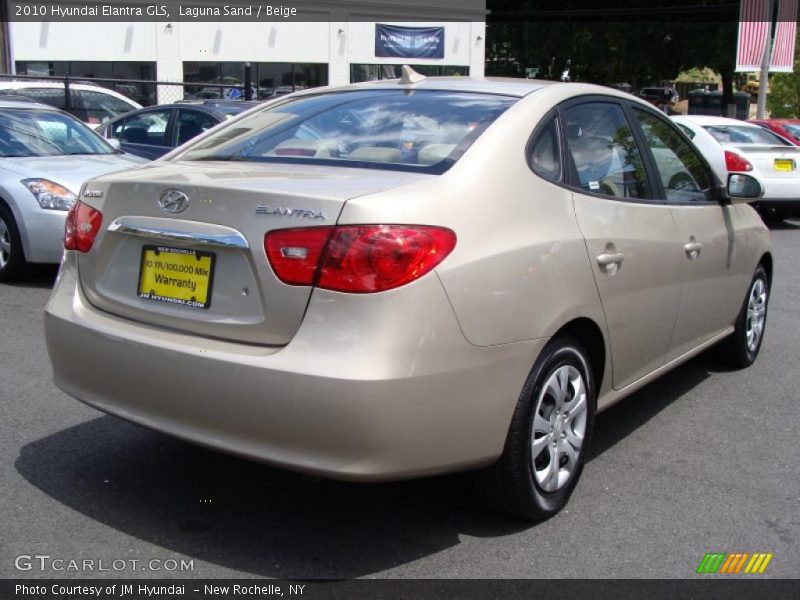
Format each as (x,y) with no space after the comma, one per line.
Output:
(707,120)
(488,85)
(36,83)
(779,121)
(20,103)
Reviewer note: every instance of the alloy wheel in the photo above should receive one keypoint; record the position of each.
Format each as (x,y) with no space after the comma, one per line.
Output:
(559,428)
(756,314)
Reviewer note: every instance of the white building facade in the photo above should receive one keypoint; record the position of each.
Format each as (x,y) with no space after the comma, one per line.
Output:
(337,48)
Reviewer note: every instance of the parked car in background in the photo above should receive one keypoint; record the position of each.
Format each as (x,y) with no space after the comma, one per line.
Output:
(92,104)
(458,278)
(733,146)
(664,97)
(787,128)
(45,155)
(154,131)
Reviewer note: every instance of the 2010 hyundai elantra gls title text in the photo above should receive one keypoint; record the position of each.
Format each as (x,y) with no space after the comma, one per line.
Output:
(411,277)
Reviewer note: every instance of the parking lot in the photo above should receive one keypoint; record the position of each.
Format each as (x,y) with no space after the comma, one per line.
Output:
(704,460)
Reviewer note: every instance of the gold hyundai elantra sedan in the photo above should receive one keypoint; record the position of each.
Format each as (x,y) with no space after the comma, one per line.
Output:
(411,277)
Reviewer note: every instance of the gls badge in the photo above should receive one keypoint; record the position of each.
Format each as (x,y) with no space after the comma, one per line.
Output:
(303,213)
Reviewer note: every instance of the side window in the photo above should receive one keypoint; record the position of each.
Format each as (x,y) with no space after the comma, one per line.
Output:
(97,107)
(51,96)
(683,173)
(604,151)
(544,154)
(192,123)
(146,128)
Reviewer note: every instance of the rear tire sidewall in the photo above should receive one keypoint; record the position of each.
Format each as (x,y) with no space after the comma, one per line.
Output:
(563,352)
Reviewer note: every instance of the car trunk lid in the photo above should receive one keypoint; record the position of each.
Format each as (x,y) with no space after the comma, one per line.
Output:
(772,161)
(215,243)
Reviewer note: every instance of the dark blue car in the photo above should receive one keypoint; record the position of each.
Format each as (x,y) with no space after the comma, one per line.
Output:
(153,131)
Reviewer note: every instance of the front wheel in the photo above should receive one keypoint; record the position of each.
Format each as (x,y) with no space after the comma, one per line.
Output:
(12,259)
(742,347)
(548,438)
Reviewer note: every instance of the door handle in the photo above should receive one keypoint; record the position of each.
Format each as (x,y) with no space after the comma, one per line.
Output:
(693,248)
(610,258)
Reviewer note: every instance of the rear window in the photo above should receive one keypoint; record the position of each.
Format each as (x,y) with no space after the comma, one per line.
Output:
(793,129)
(424,131)
(744,134)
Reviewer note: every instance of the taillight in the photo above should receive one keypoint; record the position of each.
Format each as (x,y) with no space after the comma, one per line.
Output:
(357,258)
(294,253)
(83,224)
(735,162)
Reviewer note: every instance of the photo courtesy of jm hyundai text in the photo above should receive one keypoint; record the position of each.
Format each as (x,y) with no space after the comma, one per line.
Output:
(409,277)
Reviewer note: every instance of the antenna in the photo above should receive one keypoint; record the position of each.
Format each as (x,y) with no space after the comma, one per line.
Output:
(410,76)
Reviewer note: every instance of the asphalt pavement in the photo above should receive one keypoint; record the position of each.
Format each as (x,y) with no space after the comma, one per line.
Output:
(704,460)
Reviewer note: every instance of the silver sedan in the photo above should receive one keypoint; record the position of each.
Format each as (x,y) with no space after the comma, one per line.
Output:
(45,156)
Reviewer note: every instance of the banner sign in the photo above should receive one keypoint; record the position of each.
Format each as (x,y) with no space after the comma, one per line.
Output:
(409,42)
(755,23)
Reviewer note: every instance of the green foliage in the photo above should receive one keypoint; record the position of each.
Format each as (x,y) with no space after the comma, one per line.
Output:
(637,52)
(783,101)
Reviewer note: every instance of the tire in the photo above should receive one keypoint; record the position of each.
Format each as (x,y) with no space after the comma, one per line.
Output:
(740,350)
(12,257)
(522,482)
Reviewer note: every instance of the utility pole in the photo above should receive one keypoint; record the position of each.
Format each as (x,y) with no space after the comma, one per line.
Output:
(766,60)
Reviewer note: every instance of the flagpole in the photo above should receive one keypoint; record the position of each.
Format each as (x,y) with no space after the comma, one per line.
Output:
(766,60)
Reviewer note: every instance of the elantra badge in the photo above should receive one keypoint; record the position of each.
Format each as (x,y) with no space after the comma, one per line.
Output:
(303,213)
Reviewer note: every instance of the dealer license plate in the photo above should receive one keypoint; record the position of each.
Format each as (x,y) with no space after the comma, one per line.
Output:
(176,276)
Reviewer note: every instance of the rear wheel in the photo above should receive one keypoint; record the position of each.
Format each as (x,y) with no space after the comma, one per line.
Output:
(12,259)
(548,438)
(742,347)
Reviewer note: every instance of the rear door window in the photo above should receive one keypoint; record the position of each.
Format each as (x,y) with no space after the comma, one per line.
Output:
(604,151)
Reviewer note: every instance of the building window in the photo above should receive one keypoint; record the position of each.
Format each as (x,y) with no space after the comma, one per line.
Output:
(269,79)
(373,72)
(143,93)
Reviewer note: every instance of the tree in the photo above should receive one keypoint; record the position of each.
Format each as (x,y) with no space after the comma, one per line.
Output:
(636,49)
(783,100)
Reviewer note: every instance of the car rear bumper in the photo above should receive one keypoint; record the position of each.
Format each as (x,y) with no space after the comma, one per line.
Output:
(373,398)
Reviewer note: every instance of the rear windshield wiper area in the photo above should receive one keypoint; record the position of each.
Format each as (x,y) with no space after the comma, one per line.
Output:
(215,157)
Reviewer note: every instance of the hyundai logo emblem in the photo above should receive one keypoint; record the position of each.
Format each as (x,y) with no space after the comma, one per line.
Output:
(173,201)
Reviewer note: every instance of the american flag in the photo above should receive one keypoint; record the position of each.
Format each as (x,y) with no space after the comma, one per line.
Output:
(755,19)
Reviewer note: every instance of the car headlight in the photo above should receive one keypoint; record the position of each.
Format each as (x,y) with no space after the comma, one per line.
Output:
(50,195)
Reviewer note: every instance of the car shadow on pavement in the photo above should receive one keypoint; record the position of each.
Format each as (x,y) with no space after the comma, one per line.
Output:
(776,225)
(37,276)
(268,522)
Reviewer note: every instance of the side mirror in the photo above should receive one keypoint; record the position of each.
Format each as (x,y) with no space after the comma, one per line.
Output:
(743,188)
(114,143)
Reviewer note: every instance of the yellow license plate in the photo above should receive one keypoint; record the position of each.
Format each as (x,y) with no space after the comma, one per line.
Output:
(176,276)
(784,164)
